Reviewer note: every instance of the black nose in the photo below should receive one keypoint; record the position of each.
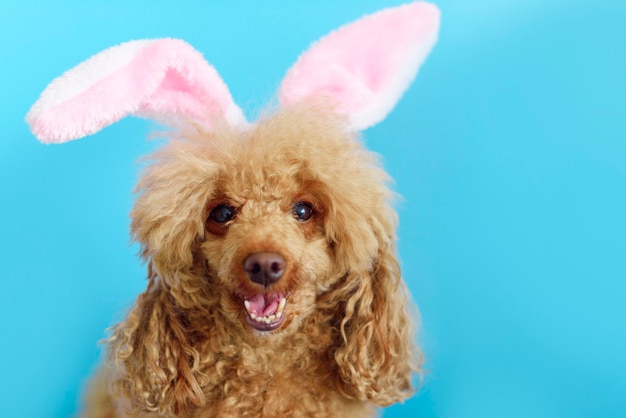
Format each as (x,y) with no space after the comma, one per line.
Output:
(265,267)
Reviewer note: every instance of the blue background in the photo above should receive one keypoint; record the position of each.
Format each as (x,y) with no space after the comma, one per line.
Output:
(509,150)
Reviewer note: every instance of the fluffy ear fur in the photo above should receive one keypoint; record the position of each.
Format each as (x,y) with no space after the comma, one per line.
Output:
(378,355)
(375,349)
(164,79)
(155,347)
(365,66)
(168,216)
(157,360)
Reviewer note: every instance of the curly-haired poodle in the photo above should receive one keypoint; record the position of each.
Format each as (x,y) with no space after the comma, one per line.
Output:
(273,284)
(273,289)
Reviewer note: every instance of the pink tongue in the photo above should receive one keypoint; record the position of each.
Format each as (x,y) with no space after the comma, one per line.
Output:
(264,305)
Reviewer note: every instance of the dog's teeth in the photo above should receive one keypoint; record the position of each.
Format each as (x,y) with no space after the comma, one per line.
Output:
(269,318)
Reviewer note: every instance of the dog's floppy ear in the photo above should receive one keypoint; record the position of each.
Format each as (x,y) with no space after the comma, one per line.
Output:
(163,79)
(365,66)
(375,353)
(378,355)
(159,367)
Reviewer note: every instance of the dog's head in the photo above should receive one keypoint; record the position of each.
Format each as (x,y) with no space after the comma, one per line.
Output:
(262,229)
(269,218)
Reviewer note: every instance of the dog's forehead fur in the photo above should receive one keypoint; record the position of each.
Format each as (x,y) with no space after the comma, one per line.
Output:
(281,156)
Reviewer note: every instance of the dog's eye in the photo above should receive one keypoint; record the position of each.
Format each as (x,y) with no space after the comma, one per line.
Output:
(302,211)
(222,213)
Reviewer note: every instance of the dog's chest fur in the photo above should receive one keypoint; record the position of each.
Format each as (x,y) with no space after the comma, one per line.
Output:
(278,379)
(281,395)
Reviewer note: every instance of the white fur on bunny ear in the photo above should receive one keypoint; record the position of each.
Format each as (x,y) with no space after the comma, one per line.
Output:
(365,66)
(164,79)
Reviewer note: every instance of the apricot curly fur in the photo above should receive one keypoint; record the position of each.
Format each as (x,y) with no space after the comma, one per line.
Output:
(185,348)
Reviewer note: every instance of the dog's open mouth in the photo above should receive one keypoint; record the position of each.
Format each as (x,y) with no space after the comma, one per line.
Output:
(265,312)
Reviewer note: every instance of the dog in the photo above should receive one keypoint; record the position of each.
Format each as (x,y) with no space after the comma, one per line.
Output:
(273,282)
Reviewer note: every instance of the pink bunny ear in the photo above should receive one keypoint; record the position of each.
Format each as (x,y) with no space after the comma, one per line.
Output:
(365,66)
(165,79)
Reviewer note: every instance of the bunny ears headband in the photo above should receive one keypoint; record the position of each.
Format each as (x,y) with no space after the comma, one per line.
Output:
(364,67)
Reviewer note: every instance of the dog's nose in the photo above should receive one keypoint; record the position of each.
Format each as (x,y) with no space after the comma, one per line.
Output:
(264,268)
